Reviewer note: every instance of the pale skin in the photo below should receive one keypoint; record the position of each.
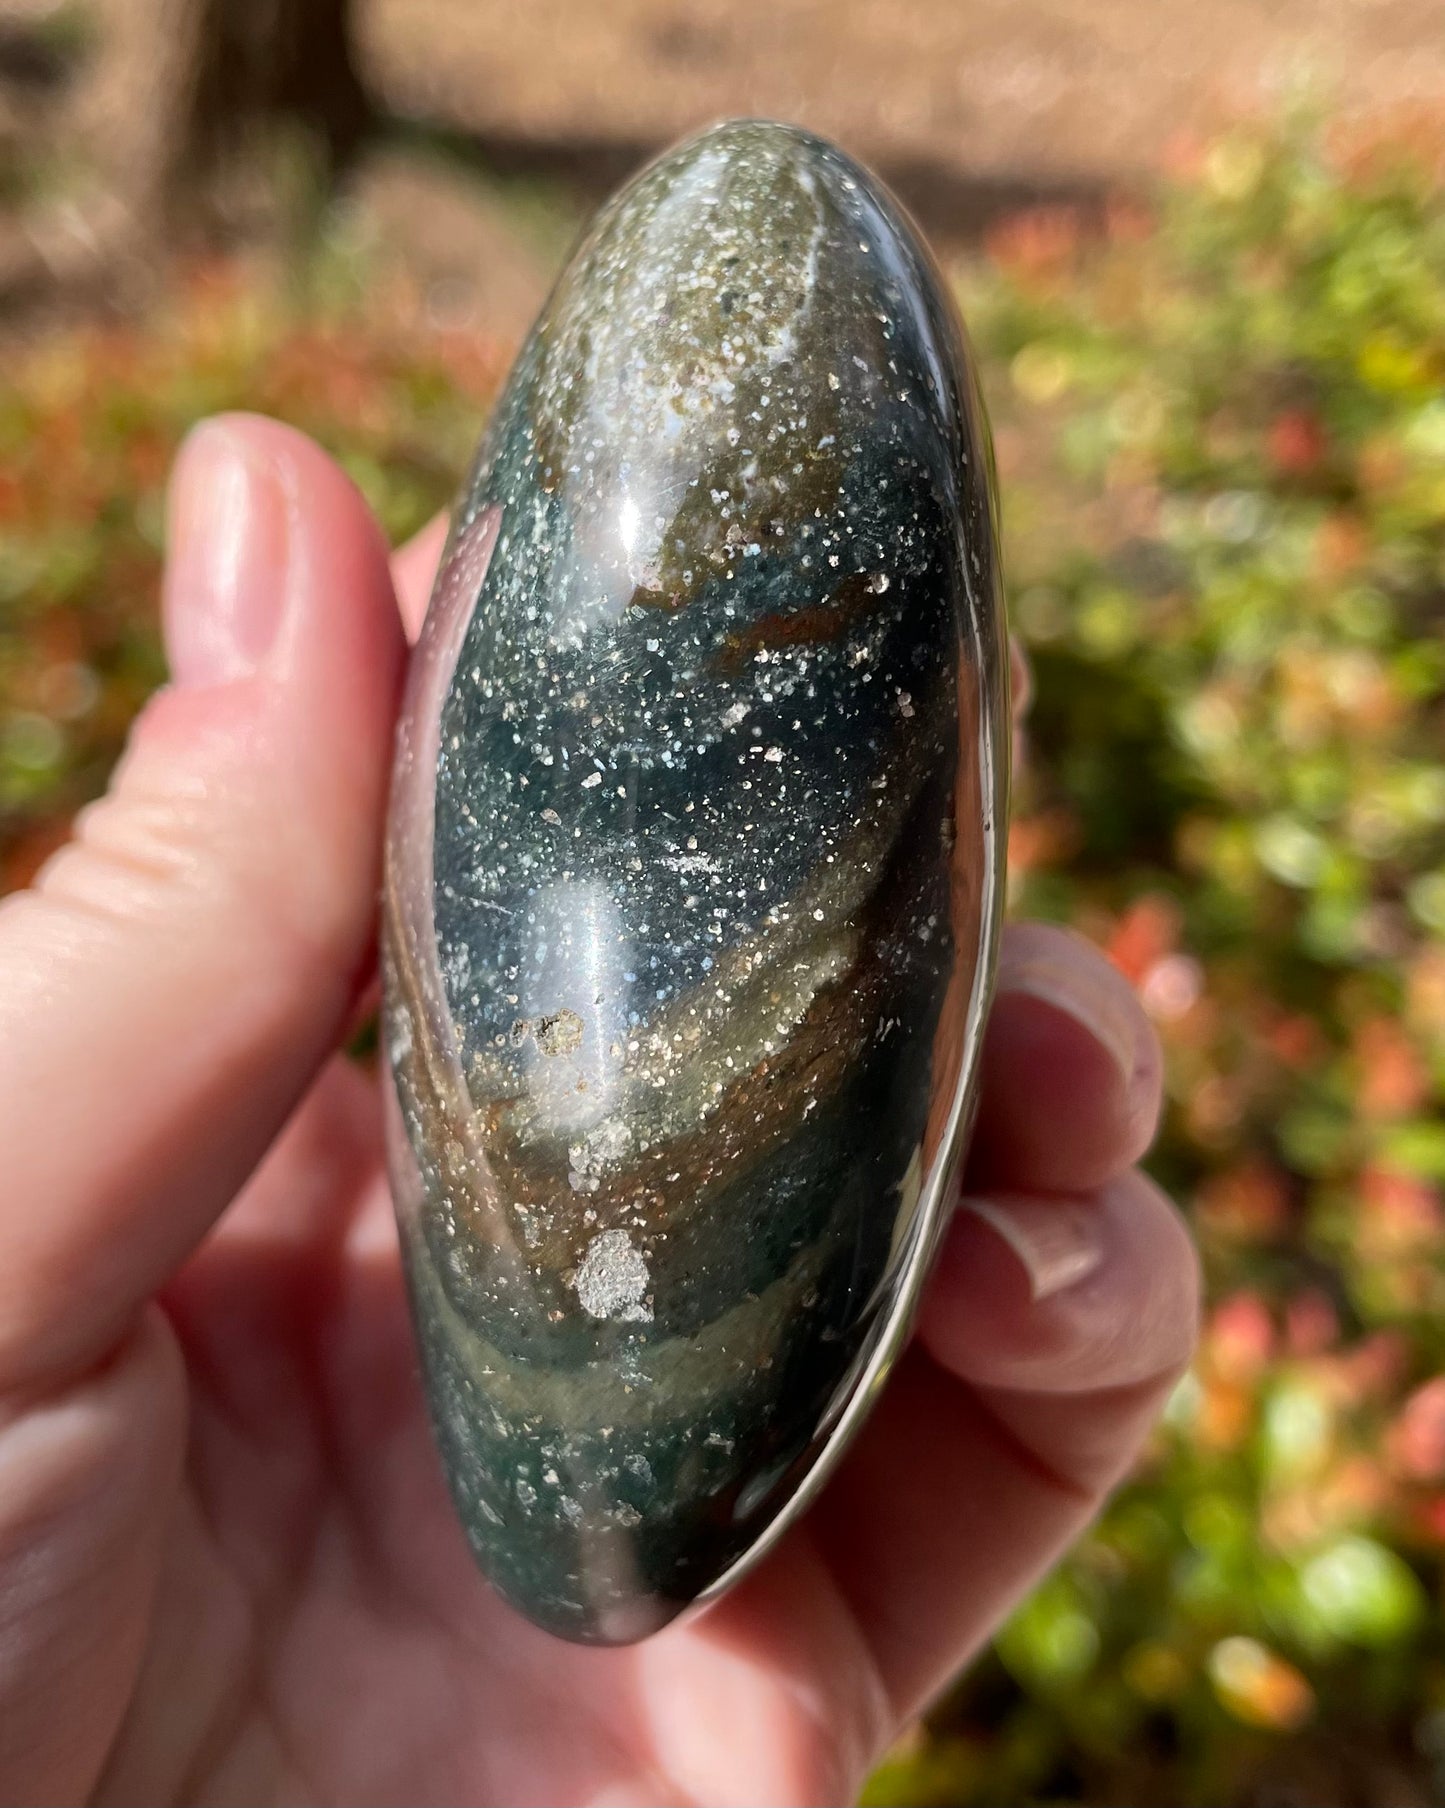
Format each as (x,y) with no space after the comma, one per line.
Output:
(229,1571)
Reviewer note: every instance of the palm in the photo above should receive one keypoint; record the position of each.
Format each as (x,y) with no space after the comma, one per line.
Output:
(228,1566)
(352,1652)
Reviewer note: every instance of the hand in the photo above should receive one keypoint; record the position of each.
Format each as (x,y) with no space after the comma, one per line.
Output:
(228,1567)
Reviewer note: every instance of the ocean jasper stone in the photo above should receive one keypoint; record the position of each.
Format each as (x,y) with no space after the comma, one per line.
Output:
(693,877)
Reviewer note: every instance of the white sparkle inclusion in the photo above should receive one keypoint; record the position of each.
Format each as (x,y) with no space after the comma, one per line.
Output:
(613,1278)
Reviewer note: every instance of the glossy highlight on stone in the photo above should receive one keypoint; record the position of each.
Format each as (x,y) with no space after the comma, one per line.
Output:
(693,878)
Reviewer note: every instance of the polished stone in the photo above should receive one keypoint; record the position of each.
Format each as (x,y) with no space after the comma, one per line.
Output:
(693,877)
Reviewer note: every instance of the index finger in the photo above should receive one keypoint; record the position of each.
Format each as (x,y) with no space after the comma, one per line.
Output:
(177,974)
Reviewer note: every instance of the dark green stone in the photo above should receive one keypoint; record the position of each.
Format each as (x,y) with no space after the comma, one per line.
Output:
(693,877)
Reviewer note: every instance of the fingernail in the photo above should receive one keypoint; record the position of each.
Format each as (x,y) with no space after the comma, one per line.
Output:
(1081,984)
(1058,1241)
(228,552)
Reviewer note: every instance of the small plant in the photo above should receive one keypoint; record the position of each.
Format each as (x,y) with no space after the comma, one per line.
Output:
(1223,437)
(90,419)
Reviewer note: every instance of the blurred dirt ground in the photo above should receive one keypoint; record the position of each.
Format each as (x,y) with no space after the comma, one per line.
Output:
(1028,91)
(515,118)
(971,108)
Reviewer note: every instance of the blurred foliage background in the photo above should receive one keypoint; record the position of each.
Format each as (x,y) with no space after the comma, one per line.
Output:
(1220,416)
(1223,438)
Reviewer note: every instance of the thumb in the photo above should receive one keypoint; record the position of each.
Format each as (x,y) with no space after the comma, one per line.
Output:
(178,972)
